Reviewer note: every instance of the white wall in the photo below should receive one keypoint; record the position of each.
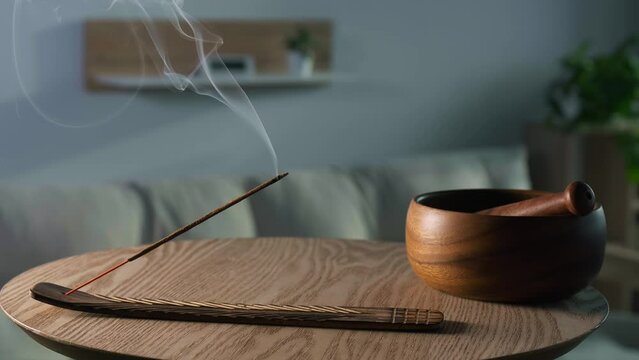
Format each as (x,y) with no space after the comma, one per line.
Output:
(428,75)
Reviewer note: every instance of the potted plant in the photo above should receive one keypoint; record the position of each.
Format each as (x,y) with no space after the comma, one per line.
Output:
(300,53)
(592,133)
(601,94)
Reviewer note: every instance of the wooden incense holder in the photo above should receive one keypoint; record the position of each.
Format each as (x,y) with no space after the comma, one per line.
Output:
(397,319)
(340,317)
(577,199)
(454,247)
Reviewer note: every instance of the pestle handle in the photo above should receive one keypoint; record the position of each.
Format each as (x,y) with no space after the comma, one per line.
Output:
(577,199)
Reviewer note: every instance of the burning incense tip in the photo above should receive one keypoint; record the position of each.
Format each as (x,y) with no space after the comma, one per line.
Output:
(182,230)
(96,278)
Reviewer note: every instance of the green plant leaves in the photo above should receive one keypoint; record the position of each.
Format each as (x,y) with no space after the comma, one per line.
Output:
(301,41)
(601,91)
(629,145)
(606,86)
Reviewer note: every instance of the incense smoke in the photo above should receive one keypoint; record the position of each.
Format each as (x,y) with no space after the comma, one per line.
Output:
(205,44)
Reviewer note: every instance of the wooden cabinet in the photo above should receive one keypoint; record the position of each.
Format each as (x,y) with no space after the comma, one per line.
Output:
(555,159)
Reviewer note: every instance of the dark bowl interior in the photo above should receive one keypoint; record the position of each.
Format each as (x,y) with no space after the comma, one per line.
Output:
(473,200)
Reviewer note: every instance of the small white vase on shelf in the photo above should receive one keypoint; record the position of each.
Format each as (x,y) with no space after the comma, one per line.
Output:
(300,64)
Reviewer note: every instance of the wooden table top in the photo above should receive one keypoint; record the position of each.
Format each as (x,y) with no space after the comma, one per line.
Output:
(287,271)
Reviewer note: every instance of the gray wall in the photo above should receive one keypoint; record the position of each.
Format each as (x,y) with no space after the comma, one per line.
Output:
(424,76)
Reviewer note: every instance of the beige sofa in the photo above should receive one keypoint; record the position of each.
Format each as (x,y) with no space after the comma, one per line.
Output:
(42,224)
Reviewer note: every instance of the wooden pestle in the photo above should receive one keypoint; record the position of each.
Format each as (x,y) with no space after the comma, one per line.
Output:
(577,199)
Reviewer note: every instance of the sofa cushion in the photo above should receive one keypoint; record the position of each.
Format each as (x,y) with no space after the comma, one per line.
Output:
(398,182)
(42,224)
(172,204)
(507,167)
(371,202)
(325,203)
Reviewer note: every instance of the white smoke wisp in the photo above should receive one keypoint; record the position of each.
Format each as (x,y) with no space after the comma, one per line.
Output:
(30,19)
(205,44)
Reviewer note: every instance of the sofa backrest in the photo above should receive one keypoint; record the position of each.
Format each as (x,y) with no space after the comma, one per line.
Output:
(42,224)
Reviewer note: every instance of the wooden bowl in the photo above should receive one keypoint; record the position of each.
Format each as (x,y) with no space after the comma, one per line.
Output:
(501,258)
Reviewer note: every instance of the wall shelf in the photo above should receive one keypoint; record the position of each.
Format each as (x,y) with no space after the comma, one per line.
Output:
(113,60)
(155,82)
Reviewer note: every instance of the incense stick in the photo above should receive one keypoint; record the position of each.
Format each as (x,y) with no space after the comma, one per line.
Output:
(181,231)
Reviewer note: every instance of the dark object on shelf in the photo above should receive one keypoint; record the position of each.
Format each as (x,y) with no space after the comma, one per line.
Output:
(238,65)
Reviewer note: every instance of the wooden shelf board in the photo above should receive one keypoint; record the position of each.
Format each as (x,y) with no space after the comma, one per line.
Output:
(132,82)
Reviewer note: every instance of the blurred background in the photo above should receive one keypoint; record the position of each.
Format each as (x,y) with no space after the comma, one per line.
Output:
(366,103)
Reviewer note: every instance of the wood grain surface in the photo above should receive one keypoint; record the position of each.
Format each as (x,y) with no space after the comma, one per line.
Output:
(292,271)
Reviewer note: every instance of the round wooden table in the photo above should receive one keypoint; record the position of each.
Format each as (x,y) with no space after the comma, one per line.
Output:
(287,271)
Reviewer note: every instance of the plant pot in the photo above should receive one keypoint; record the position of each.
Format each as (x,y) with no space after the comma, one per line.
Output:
(300,64)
